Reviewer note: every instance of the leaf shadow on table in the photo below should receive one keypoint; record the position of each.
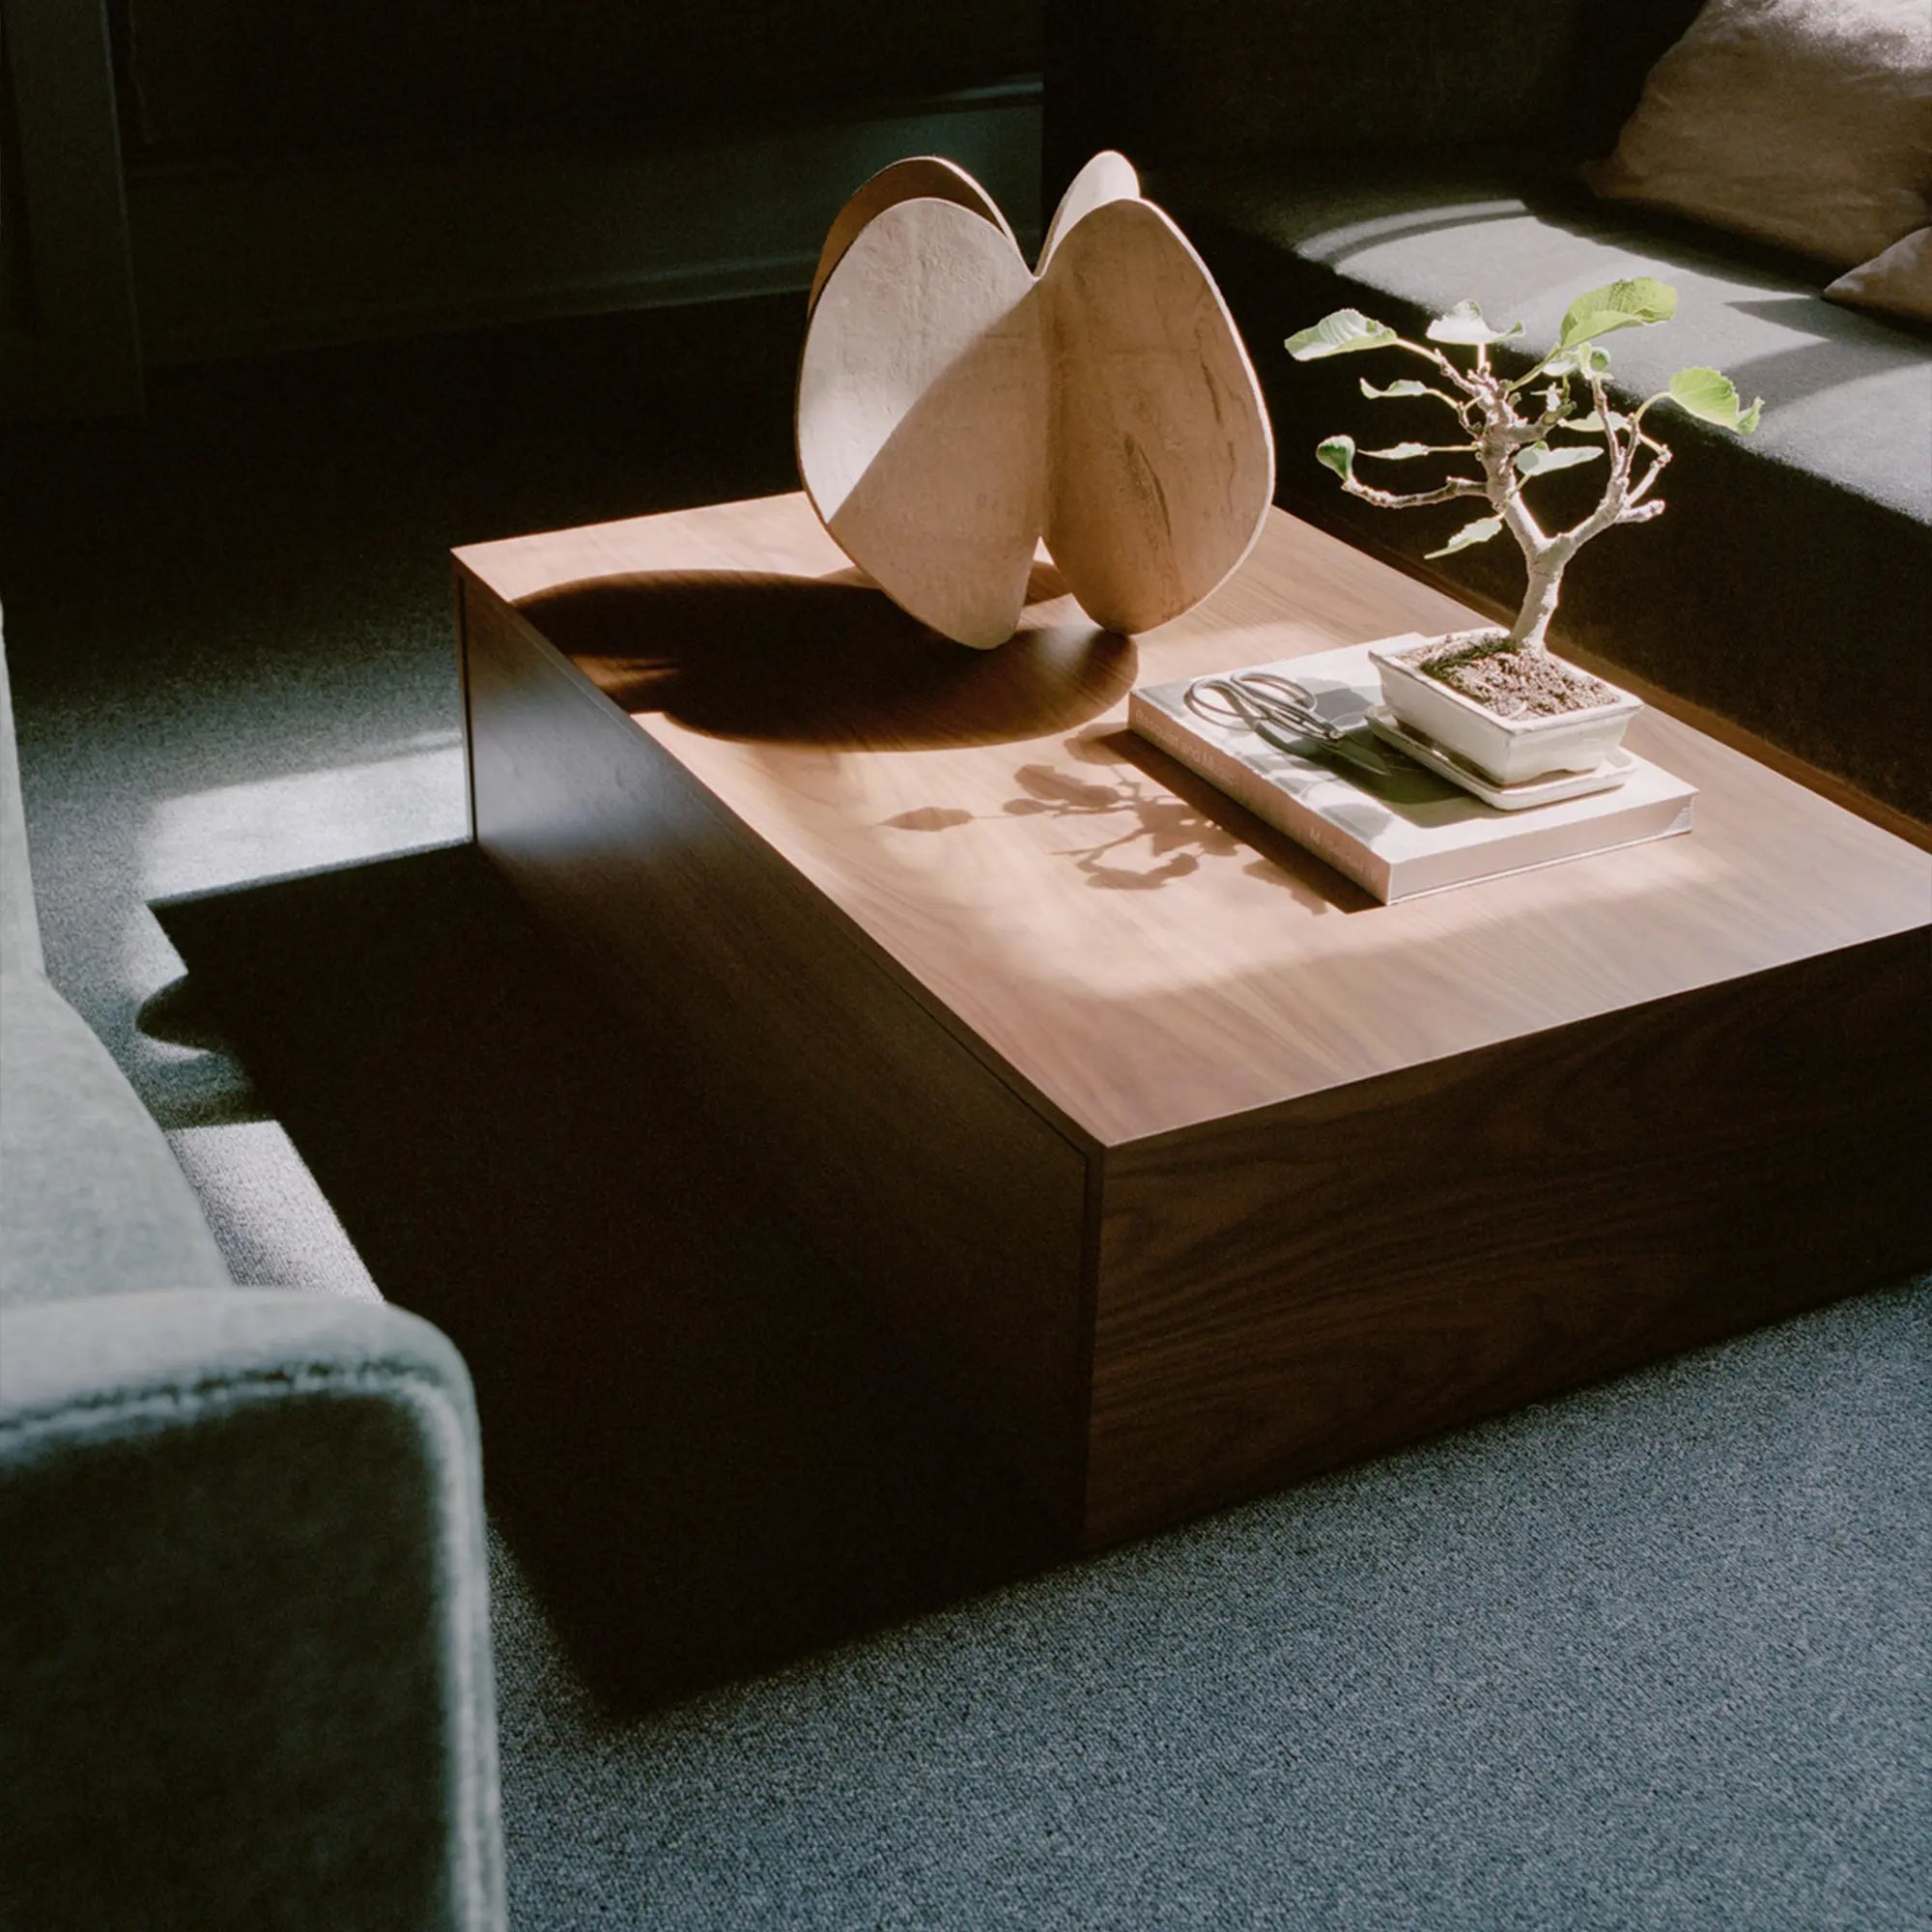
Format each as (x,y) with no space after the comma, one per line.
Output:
(1218,827)
(828,661)
(708,1453)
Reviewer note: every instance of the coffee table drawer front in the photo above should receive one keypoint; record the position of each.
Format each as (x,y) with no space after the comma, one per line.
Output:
(949,1200)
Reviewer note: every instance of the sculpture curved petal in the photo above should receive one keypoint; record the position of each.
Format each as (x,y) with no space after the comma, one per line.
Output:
(923,415)
(928,177)
(953,408)
(1161,462)
(1107,177)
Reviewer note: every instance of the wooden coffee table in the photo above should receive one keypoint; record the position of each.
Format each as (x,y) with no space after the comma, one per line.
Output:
(1183,1166)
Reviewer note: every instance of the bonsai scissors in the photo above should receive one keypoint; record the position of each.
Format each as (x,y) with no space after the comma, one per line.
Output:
(1280,713)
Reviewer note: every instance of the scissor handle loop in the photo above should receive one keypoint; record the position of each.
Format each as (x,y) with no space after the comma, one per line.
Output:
(1257,697)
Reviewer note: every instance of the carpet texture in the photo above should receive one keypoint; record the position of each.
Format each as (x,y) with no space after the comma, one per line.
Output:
(1655,1655)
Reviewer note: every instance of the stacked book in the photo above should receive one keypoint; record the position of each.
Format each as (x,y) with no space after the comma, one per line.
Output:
(1389,823)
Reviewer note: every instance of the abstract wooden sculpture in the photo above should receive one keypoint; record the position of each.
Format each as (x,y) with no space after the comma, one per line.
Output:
(954,409)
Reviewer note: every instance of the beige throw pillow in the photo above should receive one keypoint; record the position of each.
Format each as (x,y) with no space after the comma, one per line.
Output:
(1899,282)
(1806,123)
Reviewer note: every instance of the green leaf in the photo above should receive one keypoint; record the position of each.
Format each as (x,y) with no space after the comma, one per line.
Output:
(1400,452)
(1586,359)
(1642,299)
(1480,531)
(1339,454)
(1592,423)
(1709,396)
(1464,324)
(1342,333)
(1402,385)
(1539,458)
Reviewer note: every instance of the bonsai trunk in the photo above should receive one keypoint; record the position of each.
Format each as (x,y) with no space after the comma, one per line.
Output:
(1539,604)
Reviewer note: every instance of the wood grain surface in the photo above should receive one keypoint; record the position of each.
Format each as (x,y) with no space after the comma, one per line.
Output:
(1291,1289)
(859,1121)
(1138,952)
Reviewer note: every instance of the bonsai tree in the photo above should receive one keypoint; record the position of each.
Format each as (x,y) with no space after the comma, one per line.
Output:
(1507,424)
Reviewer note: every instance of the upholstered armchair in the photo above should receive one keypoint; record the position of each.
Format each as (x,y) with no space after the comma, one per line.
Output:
(245,1655)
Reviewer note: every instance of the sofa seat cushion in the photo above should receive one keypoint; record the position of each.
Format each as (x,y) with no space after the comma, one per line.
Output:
(1775,591)
(91,1197)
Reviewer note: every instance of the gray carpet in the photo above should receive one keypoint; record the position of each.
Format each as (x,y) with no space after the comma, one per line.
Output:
(1652,1657)
(1655,1655)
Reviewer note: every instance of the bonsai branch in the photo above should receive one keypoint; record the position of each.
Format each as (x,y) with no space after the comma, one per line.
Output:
(1513,444)
(1462,380)
(1640,489)
(1458,485)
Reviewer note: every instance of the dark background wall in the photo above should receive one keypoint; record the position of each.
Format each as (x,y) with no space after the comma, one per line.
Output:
(1226,78)
(204,179)
(203,77)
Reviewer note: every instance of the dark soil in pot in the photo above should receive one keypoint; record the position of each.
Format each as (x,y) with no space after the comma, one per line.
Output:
(1510,683)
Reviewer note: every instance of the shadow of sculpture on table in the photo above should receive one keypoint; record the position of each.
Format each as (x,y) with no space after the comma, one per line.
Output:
(828,661)
(706,1455)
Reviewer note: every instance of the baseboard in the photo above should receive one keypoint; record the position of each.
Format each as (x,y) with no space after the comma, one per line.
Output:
(238,259)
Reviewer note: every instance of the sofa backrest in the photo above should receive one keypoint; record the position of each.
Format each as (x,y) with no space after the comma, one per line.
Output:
(1257,77)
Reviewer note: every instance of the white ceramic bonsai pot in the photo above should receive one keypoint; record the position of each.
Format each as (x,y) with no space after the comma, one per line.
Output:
(1508,749)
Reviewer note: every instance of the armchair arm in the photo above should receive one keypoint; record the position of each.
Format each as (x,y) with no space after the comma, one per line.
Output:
(243,1618)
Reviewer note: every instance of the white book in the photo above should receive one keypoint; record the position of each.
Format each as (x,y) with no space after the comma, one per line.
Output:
(1407,831)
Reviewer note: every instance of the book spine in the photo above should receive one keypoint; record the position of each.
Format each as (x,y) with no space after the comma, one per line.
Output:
(1541,845)
(1268,803)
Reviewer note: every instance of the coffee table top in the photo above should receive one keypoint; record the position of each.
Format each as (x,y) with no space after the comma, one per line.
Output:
(1113,934)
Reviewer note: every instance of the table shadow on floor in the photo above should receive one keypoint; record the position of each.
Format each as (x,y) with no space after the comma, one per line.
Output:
(707,1454)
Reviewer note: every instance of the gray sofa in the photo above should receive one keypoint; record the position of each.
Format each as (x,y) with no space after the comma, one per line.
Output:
(1399,159)
(243,1618)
